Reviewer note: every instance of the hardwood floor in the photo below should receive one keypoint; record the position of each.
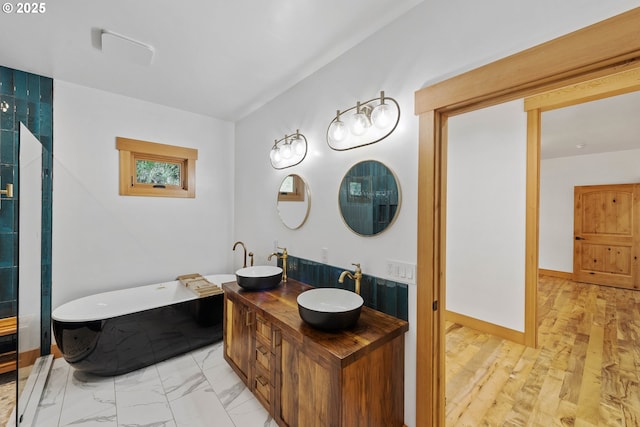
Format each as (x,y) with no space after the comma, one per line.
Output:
(585,373)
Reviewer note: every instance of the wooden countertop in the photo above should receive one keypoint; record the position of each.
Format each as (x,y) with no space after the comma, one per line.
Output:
(280,307)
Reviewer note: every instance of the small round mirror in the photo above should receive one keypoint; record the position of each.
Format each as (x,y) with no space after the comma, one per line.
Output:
(293,201)
(369,198)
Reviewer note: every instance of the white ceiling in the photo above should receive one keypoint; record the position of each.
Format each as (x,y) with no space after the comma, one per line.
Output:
(220,58)
(610,124)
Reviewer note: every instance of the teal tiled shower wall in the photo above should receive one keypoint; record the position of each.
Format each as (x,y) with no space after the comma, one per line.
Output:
(28,99)
(383,295)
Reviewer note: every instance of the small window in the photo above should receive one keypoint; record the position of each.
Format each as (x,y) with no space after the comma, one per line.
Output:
(151,169)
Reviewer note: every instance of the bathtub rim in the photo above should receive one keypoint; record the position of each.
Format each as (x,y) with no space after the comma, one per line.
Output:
(76,310)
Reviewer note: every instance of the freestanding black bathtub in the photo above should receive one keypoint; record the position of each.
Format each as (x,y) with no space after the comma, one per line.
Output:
(116,332)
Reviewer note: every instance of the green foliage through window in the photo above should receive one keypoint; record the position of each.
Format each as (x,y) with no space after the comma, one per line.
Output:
(157,173)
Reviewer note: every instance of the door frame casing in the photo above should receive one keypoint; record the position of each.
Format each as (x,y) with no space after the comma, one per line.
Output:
(606,48)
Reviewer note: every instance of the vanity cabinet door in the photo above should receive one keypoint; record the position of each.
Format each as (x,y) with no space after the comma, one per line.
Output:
(305,393)
(237,337)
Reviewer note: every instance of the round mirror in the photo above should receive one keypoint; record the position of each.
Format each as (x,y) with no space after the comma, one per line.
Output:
(369,198)
(293,201)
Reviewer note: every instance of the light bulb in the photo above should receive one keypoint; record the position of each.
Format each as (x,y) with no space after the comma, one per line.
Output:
(337,130)
(382,115)
(286,150)
(298,146)
(275,155)
(359,124)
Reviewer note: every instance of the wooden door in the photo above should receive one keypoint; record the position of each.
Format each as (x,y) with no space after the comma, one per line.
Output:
(307,394)
(237,337)
(605,250)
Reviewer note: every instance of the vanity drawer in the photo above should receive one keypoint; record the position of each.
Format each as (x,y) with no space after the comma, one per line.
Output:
(263,328)
(262,385)
(263,355)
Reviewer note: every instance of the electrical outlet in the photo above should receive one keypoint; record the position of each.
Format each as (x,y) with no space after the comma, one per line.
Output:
(325,255)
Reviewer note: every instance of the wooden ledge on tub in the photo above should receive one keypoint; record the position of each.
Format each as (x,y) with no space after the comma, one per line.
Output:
(199,285)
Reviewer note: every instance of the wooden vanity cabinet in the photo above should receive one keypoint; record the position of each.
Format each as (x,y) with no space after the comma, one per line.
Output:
(306,377)
(238,337)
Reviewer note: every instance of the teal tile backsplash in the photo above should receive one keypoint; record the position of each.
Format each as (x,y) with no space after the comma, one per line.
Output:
(380,294)
(29,100)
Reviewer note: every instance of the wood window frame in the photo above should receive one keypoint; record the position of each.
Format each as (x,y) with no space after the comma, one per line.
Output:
(133,149)
(297,195)
(603,49)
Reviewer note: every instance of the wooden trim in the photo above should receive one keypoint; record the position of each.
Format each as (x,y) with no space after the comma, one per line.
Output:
(7,366)
(430,331)
(486,327)
(28,358)
(8,326)
(597,46)
(146,147)
(532,228)
(130,148)
(625,81)
(607,47)
(554,273)
(55,351)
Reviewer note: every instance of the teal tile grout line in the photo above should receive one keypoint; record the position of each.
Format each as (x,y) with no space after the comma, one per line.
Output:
(381,294)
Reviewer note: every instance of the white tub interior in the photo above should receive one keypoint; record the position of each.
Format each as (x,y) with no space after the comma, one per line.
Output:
(132,300)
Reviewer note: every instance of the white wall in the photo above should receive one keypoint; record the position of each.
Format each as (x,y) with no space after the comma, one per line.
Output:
(104,241)
(557,179)
(431,42)
(486,196)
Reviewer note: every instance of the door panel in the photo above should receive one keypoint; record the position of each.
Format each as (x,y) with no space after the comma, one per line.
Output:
(606,234)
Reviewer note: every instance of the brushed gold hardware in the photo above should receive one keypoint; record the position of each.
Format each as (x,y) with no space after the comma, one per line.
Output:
(283,257)
(356,276)
(8,191)
(262,380)
(244,250)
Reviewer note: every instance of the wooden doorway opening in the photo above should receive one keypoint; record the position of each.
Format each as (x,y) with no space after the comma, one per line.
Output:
(605,49)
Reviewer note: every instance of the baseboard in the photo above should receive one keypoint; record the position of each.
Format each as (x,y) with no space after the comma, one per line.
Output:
(55,351)
(554,273)
(28,358)
(486,327)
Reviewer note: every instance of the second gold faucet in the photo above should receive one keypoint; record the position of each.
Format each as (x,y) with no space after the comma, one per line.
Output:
(283,257)
(356,276)
(244,249)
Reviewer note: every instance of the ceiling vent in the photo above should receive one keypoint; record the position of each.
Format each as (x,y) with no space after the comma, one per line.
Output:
(125,48)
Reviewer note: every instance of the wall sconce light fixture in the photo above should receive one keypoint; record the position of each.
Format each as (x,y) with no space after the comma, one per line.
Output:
(288,151)
(371,122)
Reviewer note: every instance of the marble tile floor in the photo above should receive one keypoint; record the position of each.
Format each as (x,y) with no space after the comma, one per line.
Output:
(196,389)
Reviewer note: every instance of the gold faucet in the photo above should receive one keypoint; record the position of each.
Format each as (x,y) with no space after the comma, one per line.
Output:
(283,257)
(356,276)
(244,264)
